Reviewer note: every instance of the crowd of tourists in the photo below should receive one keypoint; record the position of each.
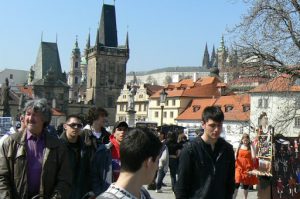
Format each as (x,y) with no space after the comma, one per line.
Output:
(83,160)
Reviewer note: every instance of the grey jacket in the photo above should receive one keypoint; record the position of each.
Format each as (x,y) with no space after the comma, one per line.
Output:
(56,176)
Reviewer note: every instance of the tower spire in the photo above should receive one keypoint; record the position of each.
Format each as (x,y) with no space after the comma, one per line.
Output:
(97,38)
(127,40)
(88,42)
(205,61)
(76,42)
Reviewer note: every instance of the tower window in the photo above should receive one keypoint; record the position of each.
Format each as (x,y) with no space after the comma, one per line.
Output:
(11,76)
(76,80)
(76,64)
(110,101)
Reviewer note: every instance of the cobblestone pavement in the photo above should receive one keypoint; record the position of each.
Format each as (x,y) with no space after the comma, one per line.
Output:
(167,192)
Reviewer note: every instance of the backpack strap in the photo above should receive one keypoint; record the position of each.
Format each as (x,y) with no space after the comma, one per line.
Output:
(145,193)
(107,195)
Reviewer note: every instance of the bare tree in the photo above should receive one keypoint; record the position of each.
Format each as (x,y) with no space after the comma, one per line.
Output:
(168,80)
(270,33)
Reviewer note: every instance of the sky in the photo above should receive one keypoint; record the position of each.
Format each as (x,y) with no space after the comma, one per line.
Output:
(162,33)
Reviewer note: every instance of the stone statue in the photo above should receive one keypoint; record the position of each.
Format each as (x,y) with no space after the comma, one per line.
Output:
(131,99)
(5,98)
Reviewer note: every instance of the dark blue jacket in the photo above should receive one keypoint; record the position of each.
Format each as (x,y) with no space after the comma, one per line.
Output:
(100,168)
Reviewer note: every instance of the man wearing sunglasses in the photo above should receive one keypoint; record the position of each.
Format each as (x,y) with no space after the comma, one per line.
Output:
(116,138)
(76,154)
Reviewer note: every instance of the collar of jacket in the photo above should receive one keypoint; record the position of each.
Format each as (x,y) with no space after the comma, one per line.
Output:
(50,140)
(221,143)
(63,137)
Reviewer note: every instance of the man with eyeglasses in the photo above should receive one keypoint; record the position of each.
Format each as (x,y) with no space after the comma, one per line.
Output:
(77,155)
(115,139)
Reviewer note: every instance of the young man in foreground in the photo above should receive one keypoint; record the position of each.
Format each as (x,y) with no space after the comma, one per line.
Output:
(140,151)
(207,165)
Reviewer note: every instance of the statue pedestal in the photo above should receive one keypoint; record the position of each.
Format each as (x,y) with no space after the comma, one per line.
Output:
(131,118)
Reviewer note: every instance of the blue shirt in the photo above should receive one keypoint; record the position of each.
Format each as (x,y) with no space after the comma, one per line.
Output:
(34,149)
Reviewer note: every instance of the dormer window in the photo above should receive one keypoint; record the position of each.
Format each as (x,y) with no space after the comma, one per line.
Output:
(246,108)
(228,108)
(196,108)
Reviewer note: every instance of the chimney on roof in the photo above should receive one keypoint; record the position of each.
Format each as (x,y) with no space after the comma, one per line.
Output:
(222,90)
(195,77)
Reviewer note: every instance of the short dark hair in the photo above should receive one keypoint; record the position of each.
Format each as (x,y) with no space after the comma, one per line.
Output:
(94,114)
(73,116)
(214,113)
(137,146)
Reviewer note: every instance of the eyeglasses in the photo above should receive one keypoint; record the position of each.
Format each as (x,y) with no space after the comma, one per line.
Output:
(75,125)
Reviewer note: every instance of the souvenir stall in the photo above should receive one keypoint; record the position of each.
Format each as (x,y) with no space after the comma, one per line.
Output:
(278,163)
(286,168)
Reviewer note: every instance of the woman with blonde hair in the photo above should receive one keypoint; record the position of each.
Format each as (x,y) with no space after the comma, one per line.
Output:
(245,157)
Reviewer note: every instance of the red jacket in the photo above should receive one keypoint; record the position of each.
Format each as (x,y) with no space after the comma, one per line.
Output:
(116,162)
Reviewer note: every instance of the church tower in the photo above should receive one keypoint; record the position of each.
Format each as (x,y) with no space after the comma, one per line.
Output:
(205,61)
(213,59)
(47,79)
(74,78)
(222,54)
(106,64)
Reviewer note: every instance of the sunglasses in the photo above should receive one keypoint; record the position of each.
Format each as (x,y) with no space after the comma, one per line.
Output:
(75,125)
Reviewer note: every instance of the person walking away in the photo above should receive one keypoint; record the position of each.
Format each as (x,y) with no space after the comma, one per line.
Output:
(206,164)
(140,150)
(33,162)
(174,150)
(163,163)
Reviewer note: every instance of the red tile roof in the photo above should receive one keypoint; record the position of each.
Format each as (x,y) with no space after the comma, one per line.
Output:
(191,114)
(279,84)
(203,87)
(27,90)
(236,114)
(247,80)
(56,112)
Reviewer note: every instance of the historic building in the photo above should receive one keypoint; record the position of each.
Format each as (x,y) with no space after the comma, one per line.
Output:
(46,77)
(180,95)
(97,76)
(140,99)
(164,76)
(77,76)
(280,100)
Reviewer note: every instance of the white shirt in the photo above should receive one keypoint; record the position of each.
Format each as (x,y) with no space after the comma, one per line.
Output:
(120,193)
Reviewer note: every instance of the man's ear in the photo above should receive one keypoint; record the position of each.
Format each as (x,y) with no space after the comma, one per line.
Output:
(22,118)
(65,126)
(203,124)
(148,162)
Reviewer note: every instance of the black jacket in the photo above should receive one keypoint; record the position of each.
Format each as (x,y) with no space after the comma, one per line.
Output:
(100,168)
(79,165)
(203,174)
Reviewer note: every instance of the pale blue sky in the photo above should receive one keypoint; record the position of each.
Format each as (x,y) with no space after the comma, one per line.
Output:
(162,33)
